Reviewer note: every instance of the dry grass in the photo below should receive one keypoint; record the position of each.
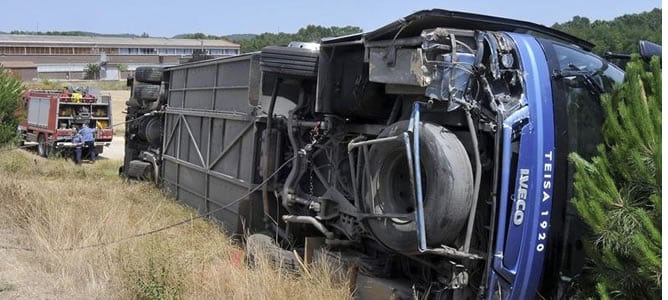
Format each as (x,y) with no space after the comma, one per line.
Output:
(51,205)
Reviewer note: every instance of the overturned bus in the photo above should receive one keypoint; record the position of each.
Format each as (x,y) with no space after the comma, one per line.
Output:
(429,155)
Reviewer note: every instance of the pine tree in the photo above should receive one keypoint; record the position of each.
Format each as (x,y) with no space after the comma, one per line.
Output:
(618,192)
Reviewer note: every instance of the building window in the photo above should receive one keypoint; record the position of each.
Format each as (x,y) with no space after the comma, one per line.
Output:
(128,51)
(181,51)
(167,51)
(147,51)
(83,51)
(12,50)
(61,51)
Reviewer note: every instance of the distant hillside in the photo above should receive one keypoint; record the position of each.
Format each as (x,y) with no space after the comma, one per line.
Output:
(620,35)
(196,36)
(203,36)
(241,36)
(309,33)
(253,42)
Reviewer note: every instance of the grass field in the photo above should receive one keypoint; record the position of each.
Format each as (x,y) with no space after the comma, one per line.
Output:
(57,210)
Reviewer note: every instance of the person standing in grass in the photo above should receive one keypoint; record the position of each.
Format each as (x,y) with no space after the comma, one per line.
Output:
(76,141)
(88,139)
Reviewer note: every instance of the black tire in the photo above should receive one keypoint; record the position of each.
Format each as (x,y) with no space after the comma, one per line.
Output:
(261,246)
(447,181)
(139,170)
(151,131)
(290,61)
(149,74)
(147,92)
(43,148)
(132,102)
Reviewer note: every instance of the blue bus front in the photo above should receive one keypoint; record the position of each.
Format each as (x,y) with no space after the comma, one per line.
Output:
(536,248)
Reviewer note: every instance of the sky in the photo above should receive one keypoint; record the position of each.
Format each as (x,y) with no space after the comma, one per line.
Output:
(168,18)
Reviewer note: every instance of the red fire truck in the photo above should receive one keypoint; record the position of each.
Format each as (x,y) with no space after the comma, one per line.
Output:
(53,116)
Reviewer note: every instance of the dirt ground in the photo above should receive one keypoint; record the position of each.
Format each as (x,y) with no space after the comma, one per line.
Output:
(116,150)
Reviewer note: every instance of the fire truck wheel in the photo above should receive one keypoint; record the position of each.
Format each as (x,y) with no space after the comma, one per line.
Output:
(447,185)
(147,92)
(43,148)
(149,74)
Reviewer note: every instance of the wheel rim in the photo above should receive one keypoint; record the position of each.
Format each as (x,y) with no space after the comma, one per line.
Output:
(397,196)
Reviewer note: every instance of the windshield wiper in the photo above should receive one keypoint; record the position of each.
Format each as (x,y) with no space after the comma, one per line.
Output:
(587,76)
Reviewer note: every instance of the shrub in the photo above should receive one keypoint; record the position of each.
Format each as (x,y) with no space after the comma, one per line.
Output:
(93,71)
(10,90)
(618,192)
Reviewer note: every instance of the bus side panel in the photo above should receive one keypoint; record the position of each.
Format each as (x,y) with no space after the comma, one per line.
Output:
(210,137)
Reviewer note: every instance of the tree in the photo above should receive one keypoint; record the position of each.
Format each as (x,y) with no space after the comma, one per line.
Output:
(10,90)
(197,36)
(618,192)
(310,33)
(620,35)
(92,71)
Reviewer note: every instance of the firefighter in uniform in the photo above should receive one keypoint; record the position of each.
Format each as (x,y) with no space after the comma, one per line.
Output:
(88,139)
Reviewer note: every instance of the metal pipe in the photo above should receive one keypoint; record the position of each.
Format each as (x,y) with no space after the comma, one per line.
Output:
(298,164)
(367,167)
(358,173)
(278,155)
(353,144)
(265,174)
(476,185)
(309,220)
(302,201)
(351,162)
(411,175)
(495,185)
(307,124)
(415,122)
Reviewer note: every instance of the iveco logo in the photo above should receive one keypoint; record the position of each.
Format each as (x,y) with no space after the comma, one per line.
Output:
(521,199)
